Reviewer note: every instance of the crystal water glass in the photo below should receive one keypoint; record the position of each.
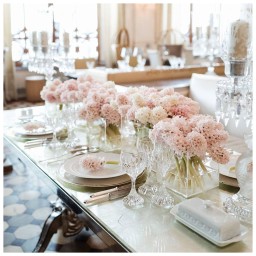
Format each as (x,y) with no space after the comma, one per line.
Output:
(133,164)
(70,117)
(53,115)
(145,146)
(163,158)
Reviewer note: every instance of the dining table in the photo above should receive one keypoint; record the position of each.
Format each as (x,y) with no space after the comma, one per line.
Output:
(122,229)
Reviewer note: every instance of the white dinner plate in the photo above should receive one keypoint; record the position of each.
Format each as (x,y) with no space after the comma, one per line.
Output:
(229,168)
(220,243)
(43,130)
(73,167)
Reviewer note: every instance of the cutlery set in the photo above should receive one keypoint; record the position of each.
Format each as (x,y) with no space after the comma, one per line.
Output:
(110,194)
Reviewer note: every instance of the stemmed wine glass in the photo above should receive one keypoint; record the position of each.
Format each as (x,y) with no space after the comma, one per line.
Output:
(145,146)
(70,116)
(133,164)
(163,157)
(53,116)
(126,54)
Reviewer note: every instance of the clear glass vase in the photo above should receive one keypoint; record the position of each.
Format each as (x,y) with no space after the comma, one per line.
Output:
(112,137)
(95,132)
(190,176)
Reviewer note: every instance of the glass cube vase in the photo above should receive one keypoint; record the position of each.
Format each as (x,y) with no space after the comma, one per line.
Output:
(190,177)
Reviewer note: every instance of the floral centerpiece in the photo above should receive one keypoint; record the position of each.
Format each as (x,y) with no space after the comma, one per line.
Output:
(100,105)
(148,105)
(193,139)
(63,96)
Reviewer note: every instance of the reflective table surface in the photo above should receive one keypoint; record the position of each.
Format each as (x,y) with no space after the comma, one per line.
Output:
(148,229)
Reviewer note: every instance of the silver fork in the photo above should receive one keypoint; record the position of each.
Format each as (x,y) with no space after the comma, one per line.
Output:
(59,158)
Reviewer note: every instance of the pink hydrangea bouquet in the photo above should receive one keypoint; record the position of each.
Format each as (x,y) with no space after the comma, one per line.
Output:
(68,91)
(148,105)
(192,139)
(100,104)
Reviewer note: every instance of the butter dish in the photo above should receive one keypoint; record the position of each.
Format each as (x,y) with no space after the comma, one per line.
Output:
(209,221)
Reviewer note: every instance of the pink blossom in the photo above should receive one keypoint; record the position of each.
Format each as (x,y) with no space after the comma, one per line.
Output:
(131,113)
(30,126)
(143,115)
(90,111)
(166,91)
(122,99)
(111,114)
(157,114)
(91,163)
(197,144)
(51,97)
(219,154)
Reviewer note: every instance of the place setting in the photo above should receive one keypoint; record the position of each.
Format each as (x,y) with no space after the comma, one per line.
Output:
(100,170)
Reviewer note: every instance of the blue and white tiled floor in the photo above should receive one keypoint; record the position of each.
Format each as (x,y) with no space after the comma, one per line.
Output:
(26,207)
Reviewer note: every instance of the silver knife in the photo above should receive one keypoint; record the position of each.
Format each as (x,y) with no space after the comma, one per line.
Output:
(107,197)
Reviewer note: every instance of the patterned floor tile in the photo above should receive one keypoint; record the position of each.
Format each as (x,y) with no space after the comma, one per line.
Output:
(27,231)
(14,209)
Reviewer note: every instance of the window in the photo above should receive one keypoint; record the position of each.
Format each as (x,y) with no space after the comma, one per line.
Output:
(79,20)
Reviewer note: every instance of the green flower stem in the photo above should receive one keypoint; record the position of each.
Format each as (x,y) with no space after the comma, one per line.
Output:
(112,162)
(203,166)
(180,170)
(189,168)
(193,173)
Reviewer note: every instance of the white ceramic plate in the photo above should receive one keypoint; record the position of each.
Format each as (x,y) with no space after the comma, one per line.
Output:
(219,243)
(229,168)
(43,130)
(73,167)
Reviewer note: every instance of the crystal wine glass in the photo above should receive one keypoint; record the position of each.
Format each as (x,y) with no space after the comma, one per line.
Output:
(70,116)
(145,146)
(163,158)
(53,116)
(133,164)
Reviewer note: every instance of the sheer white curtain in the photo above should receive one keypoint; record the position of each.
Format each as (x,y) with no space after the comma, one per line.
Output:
(10,91)
(108,28)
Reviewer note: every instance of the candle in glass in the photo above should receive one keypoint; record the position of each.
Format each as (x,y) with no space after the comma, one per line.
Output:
(239,39)
(66,39)
(44,38)
(34,39)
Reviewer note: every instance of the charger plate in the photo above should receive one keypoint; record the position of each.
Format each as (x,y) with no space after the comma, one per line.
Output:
(78,183)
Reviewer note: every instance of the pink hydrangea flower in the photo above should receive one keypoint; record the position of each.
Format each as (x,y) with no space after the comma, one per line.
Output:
(91,163)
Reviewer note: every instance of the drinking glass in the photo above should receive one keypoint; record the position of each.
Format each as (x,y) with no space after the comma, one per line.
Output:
(145,146)
(53,116)
(70,116)
(163,158)
(126,54)
(133,164)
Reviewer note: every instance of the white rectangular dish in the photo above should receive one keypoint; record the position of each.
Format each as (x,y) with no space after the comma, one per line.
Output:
(220,243)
